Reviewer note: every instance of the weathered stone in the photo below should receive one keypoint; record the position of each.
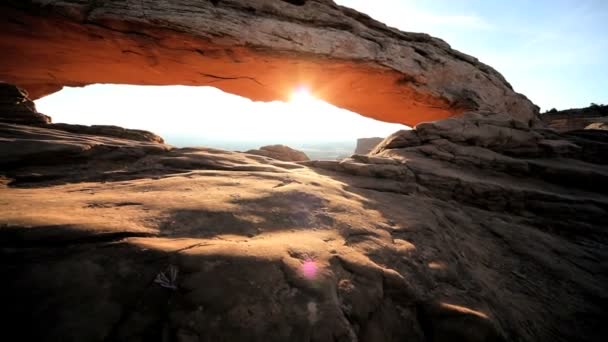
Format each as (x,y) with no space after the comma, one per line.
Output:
(483,227)
(280,152)
(110,131)
(17,108)
(598,125)
(432,235)
(260,49)
(42,145)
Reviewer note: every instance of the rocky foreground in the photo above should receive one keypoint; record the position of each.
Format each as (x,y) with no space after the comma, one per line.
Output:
(476,228)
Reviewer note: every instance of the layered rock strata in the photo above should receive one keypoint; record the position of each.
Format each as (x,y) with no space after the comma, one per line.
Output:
(476,229)
(262,50)
(280,152)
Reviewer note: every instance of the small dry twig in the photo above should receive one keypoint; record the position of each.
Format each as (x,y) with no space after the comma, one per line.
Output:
(168,280)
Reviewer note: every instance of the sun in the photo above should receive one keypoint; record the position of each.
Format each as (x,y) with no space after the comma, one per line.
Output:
(301,96)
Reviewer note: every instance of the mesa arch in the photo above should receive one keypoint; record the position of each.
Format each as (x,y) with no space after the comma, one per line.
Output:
(257,49)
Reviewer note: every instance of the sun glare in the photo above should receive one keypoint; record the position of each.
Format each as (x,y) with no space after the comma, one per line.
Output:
(226,118)
(301,95)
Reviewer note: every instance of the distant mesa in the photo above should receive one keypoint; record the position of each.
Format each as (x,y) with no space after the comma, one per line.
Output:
(366,145)
(280,152)
(593,117)
(598,125)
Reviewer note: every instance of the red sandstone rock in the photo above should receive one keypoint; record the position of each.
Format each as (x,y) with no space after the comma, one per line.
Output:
(258,49)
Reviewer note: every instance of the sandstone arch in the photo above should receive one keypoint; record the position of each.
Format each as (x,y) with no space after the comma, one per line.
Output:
(258,49)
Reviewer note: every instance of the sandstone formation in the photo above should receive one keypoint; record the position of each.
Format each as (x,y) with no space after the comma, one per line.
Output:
(16,107)
(478,228)
(24,145)
(280,152)
(592,117)
(598,125)
(110,131)
(366,145)
(485,226)
(260,49)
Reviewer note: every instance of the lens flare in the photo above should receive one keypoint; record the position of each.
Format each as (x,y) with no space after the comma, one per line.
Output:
(310,269)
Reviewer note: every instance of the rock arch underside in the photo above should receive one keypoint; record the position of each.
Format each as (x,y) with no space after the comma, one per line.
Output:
(480,224)
(262,50)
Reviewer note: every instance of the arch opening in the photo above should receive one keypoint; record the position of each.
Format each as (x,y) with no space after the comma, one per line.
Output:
(260,50)
(187,116)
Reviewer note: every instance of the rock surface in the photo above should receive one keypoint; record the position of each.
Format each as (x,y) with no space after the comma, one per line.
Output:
(16,107)
(22,145)
(592,117)
(280,152)
(484,227)
(598,125)
(110,131)
(469,229)
(366,145)
(260,49)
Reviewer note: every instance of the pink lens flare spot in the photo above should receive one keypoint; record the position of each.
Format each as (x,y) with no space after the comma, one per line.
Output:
(310,269)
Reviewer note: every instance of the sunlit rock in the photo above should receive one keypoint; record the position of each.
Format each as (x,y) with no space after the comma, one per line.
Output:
(280,152)
(263,50)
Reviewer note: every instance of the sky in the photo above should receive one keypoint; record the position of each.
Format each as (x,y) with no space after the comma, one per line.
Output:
(555,52)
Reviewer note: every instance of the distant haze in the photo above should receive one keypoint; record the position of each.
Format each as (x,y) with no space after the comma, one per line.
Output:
(191,116)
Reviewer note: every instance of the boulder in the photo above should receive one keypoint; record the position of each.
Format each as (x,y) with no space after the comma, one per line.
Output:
(280,152)
(17,108)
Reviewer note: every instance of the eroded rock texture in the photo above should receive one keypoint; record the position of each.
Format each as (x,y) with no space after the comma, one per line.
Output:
(470,229)
(17,108)
(260,49)
(280,152)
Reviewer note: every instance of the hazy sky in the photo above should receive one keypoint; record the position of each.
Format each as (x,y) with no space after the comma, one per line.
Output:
(555,52)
